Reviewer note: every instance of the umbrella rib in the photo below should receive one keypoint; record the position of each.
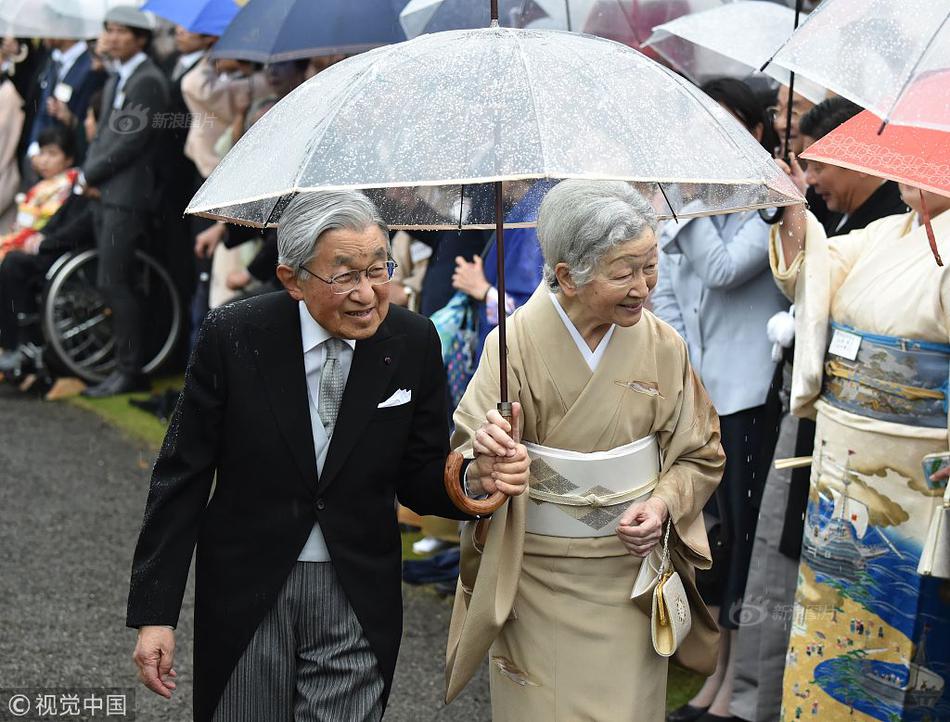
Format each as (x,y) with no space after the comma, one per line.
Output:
(350,92)
(910,73)
(692,90)
(534,101)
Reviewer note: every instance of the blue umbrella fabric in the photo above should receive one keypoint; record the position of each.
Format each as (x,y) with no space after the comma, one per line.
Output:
(209,17)
(269,31)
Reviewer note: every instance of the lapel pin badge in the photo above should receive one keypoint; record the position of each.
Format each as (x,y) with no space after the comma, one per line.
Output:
(387,360)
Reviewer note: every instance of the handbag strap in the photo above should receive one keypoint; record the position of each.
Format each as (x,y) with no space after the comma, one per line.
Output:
(665,555)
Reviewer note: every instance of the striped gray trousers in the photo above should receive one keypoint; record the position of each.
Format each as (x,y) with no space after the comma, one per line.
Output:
(308,661)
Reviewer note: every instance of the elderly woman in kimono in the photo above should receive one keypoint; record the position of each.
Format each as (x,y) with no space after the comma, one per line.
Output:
(547,587)
(872,354)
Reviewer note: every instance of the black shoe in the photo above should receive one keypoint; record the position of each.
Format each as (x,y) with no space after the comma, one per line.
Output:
(686,713)
(118,383)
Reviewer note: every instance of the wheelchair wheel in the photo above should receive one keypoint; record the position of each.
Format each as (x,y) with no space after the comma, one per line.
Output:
(77,322)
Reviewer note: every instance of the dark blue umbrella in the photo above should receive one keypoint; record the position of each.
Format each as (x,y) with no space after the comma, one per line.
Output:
(209,17)
(268,31)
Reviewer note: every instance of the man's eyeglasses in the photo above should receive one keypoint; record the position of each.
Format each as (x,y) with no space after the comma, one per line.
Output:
(349,281)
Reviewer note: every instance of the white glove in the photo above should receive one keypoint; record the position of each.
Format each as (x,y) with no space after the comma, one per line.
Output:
(781,331)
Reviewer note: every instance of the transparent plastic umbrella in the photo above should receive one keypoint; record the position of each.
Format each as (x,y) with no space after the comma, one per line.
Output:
(881,54)
(735,39)
(74,19)
(626,21)
(426,126)
(66,19)
(430,128)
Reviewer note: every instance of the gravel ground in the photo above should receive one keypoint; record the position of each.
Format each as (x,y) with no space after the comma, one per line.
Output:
(72,491)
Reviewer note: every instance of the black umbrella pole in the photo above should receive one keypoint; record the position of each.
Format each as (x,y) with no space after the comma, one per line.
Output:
(504,406)
(453,473)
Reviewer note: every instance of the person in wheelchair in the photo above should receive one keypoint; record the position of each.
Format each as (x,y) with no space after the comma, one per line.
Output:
(22,274)
(22,271)
(54,164)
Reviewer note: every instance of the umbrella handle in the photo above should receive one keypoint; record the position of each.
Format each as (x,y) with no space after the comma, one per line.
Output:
(929,228)
(453,487)
(453,471)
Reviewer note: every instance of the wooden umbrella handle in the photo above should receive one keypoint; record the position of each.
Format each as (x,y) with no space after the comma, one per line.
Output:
(453,487)
(453,477)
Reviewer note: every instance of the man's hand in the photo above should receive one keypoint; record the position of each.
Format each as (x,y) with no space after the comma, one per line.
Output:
(208,239)
(59,110)
(154,654)
(91,192)
(641,526)
(501,464)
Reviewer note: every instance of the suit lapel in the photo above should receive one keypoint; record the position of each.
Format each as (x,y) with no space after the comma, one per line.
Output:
(279,355)
(108,98)
(374,362)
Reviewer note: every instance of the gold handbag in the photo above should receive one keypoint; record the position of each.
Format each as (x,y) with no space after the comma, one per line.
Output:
(670,619)
(935,552)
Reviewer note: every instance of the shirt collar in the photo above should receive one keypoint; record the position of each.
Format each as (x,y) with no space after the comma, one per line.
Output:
(188,61)
(312,333)
(67,59)
(126,69)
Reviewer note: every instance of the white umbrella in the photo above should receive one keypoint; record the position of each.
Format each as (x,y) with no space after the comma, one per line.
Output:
(445,115)
(73,19)
(735,39)
(885,56)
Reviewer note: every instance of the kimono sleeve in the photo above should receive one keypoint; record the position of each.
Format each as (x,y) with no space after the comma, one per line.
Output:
(693,460)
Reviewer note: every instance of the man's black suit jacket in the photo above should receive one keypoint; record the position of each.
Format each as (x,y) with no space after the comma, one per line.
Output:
(123,159)
(244,414)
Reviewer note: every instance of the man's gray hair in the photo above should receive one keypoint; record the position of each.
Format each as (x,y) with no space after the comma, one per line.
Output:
(581,220)
(309,215)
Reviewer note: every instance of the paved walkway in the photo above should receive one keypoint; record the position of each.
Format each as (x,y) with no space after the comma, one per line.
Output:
(72,491)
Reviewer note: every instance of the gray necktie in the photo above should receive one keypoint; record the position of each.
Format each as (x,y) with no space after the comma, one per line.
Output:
(331,385)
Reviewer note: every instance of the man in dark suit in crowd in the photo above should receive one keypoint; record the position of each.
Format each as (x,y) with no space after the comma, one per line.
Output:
(120,176)
(61,96)
(298,596)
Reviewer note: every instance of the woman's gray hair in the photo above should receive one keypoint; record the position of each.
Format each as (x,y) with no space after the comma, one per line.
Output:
(309,215)
(581,220)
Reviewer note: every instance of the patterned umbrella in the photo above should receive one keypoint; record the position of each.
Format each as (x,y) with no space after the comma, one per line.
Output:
(917,157)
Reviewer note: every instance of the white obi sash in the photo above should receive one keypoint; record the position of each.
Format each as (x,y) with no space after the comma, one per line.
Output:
(578,495)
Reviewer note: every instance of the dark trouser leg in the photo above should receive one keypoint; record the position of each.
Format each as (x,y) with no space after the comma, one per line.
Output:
(743,437)
(308,661)
(119,233)
(20,277)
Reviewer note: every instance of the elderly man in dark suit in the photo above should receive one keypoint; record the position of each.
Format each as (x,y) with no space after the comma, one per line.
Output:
(317,407)
(120,176)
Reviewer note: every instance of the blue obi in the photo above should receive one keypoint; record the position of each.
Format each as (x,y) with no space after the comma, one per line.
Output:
(891,379)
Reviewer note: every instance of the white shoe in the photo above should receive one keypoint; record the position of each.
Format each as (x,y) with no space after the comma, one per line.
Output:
(428,544)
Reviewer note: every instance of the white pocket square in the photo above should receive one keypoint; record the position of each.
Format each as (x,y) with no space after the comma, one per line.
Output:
(400,397)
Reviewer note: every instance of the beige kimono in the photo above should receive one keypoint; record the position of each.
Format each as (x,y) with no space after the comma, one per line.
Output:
(567,643)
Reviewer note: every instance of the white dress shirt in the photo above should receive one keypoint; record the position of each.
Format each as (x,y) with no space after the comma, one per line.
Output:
(67,58)
(591,357)
(125,71)
(314,355)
